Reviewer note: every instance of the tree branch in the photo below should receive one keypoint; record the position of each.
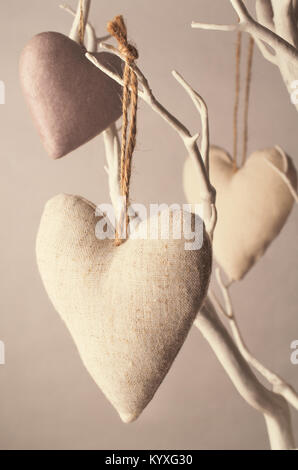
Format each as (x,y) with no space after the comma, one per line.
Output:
(264,13)
(274,407)
(285,23)
(276,28)
(279,386)
(203,111)
(207,191)
(249,25)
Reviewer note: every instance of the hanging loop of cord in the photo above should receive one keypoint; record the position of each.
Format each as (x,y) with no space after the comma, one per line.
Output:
(237,98)
(247,96)
(117,28)
(82,24)
(246,99)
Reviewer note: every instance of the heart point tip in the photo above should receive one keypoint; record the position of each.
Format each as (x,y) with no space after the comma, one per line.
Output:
(128,417)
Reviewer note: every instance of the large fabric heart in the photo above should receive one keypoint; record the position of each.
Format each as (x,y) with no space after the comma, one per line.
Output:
(253,204)
(71,100)
(128,308)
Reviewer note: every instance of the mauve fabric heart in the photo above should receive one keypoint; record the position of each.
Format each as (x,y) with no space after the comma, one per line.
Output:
(127,308)
(71,100)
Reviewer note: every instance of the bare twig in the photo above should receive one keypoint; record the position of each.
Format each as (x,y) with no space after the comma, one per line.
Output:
(249,25)
(274,407)
(276,27)
(203,111)
(279,386)
(264,13)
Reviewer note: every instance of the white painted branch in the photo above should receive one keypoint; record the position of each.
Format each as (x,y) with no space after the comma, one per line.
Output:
(273,406)
(215,27)
(207,191)
(279,386)
(284,21)
(285,25)
(276,27)
(249,25)
(203,111)
(264,13)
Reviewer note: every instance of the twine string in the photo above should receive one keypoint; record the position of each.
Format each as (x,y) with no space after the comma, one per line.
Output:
(248,79)
(117,29)
(247,96)
(82,24)
(237,98)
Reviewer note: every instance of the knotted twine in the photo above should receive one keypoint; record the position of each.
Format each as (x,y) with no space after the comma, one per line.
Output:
(129,53)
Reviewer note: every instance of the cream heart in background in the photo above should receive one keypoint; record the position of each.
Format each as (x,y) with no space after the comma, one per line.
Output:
(71,100)
(128,308)
(253,204)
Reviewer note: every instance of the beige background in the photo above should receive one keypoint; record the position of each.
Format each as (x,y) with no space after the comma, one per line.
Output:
(47,399)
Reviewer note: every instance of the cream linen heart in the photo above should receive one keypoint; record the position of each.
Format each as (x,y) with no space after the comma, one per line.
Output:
(128,308)
(253,205)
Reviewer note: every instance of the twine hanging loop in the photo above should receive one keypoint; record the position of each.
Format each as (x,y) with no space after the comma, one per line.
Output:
(246,99)
(117,29)
(82,25)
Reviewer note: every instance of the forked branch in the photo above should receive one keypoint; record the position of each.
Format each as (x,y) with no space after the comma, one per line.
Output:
(273,406)
(190,142)
(279,386)
(275,28)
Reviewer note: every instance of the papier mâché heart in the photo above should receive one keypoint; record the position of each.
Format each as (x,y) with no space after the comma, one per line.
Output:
(252,203)
(71,100)
(128,308)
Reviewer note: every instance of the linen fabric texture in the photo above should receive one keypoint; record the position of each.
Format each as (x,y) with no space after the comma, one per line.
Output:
(128,308)
(253,205)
